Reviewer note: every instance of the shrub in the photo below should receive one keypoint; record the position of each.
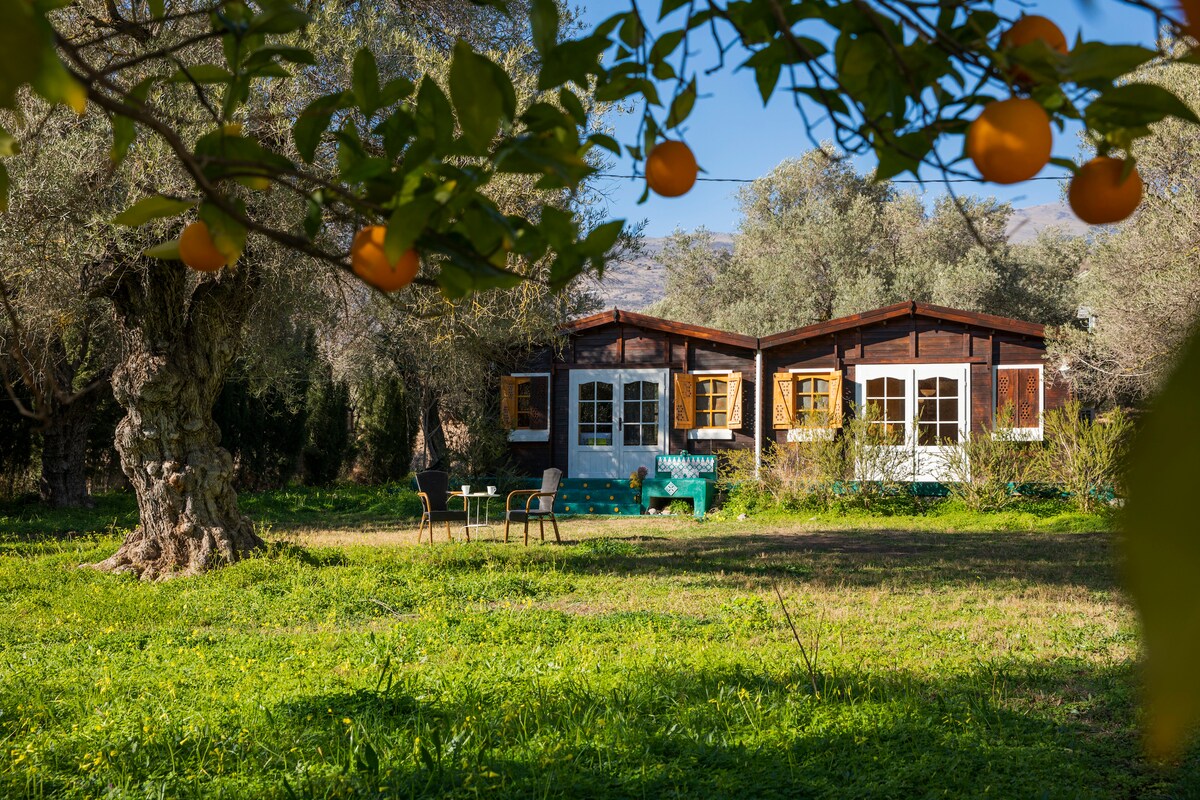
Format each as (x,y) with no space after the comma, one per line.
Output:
(1086,459)
(982,469)
(879,460)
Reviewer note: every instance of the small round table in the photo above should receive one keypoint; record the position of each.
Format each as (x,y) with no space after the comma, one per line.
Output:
(473,521)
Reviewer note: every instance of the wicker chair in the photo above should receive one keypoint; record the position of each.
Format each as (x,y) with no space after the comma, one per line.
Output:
(433,487)
(544,508)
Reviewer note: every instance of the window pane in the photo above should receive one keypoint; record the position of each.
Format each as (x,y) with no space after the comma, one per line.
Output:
(894,410)
(948,387)
(604,411)
(895,387)
(703,419)
(587,412)
(949,433)
(804,402)
(719,420)
(720,387)
(822,385)
(927,410)
(604,391)
(926,435)
(822,401)
(631,391)
(650,412)
(650,435)
(649,390)
(633,412)
(805,385)
(632,435)
(875,388)
(704,387)
(927,387)
(702,402)
(719,402)
(587,391)
(949,409)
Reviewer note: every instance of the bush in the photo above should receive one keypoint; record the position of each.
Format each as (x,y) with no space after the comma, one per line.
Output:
(982,470)
(1086,459)
(387,429)
(878,460)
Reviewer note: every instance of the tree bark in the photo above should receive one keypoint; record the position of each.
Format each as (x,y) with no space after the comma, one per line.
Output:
(436,451)
(63,483)
(179,336)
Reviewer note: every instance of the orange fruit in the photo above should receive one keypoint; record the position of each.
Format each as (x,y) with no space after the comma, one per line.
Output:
(370,263)
(1010,140)
(1098,196)
(1032,28)
(671,169)
(196,249)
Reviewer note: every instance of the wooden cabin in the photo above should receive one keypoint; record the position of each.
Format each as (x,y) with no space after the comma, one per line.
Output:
(620,389)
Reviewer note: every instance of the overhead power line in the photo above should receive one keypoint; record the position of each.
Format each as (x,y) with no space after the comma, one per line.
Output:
(890,180)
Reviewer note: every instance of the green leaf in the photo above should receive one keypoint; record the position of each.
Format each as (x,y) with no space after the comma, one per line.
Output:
(201,73)
(366,82)
(123,136)
(1162,550)
(264,55)
(24,46)
(153,207)
(280,19)
(166,251)
(406,224)
(1092,61)
(228,235)
(681,106)
(483,95)
(1135,104)
(543,20)
(312,123)
(602,238)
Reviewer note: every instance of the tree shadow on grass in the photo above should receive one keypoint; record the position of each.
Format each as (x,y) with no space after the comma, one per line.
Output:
(865,559)
(1017,730)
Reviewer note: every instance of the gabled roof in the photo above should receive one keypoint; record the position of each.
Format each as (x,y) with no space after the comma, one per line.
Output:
(910,308)
(616,316)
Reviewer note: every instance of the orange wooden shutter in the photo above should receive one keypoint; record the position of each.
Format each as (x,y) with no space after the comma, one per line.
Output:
(508,402)
(783,407)
(1028,398)
(835,399)
(733,394)
(1006,395)
(685,401)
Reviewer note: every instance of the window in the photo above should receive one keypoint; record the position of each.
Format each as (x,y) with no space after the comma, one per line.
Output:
(596,414)
(812,401)
(1019,398)
(525,406)
(639,428)
(708,402)
(885,407)
(807,400)
(937,411)
(712,402)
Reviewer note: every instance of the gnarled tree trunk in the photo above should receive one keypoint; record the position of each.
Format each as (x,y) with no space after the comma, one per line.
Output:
(179,336)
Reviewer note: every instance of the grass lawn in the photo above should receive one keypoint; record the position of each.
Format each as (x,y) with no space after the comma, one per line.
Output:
(641,658)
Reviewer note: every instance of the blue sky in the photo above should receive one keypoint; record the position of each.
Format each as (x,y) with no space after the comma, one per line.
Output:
(733,136)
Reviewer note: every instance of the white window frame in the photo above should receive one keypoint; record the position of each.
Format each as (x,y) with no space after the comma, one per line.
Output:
(711,434)
(813,434)
(1023,434)
(528,434)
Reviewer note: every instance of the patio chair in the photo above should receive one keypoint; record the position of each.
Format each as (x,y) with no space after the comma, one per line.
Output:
(544,508)
(433,487)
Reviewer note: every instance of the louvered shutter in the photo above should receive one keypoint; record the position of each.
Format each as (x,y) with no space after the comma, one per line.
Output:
(835,399)
(1028,398)
(733,395)
(508,402)
(783,406)
(539,402)
(685,401)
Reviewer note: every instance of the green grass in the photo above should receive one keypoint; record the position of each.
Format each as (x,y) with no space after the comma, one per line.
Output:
(642,658)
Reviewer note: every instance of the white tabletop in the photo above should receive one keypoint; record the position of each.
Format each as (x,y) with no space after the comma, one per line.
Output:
(477,494)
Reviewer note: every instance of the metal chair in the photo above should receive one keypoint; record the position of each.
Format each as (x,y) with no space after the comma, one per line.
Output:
(433,487)
(545,506)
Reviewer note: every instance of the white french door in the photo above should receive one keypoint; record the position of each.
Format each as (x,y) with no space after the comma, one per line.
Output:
(924,408)
(617,421)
